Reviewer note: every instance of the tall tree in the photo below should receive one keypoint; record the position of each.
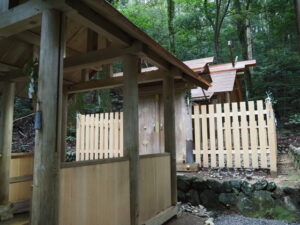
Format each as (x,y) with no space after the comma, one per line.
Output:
(215,13)
(297,9)
(171,15)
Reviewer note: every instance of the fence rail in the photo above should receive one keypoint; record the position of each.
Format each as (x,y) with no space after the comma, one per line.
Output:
(99,136)
(236,135)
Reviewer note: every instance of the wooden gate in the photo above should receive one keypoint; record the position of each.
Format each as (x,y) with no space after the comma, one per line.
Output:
(99,136)
(236,135)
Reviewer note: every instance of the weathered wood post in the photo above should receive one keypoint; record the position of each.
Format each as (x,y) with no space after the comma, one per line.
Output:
(131,131)
(47,143)
(6,131)
(169,123)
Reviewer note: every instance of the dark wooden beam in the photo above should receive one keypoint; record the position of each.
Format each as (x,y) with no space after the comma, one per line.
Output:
(114,82)
(99,57)
(131,124)
(91,19)
(8,67)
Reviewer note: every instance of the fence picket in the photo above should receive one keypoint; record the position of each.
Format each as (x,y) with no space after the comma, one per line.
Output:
(212,135)
(220,136)
(106,129)
(253,135)
(101,155)
(236,136)
(111,124)
(245,133)
(228,143)
(121,135)
(262,135)
(197,134)
(204,135)
(96,138)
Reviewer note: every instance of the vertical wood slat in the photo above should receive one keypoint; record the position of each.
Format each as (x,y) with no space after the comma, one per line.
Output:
(227,127)
(212,130)
(78,136)
(272,138)
(121,136)
(88,128)
(245,133)
(204,135)
(262,134)
(236,135)
(96,137)
(83,134)
(220,136)
(111,124)
(106,127)
(197,134)
(101,152)
(253,135)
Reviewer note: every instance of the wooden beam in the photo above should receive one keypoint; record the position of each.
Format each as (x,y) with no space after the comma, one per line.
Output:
(89,18)
(8,67)
(96,58)
(169,125)
(6,131)
(114,82)
(155,59)
(131,124)
(47,145)
(163,216)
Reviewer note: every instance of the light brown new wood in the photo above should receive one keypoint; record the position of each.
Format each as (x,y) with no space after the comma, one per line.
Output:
(6,132)
(272,137)
(197,134)
(227,136)
(47,145)
(95,194)
(262,134)
(204,135)
(155,186)
(131,67)
(253,135)
(236,136)
(170,136)
(21,167)
(220,136)
(241,138)
(245,135)
(212,135)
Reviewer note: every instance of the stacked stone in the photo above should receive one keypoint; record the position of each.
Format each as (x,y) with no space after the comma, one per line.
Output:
(236,195)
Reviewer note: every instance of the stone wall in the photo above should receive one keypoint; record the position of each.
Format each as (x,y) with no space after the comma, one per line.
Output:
(239,196)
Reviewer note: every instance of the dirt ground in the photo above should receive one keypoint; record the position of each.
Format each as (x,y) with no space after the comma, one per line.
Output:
(187,219)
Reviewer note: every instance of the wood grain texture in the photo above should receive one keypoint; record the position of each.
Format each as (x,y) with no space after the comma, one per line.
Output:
(155,186)
(95,194)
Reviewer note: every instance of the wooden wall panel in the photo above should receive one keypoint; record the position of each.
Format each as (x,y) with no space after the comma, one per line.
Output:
(95,194)
(155,185)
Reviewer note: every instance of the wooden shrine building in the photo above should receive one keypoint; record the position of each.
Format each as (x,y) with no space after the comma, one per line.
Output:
(74,39)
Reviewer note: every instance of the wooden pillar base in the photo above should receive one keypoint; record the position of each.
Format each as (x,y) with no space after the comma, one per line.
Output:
(6,212)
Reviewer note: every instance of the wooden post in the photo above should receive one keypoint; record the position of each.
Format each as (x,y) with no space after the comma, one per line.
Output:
(4,5)
(131,128)
(47,143)
(6,131)
(64,126)
(169,123)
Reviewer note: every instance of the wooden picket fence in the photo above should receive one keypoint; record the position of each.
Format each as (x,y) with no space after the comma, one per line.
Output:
(236,135)
(99,136)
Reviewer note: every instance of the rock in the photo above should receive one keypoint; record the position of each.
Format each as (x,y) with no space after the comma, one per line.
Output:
(290,204)
(228,198)
(244,205)
(183,183)
(236,184)
(214,185)
(210,199)
(199,184)
(247,188)
(260,185)
(278,193)
(181,196)
(263,200)
(271,186)
(193,197)
(226,187)
(209,221)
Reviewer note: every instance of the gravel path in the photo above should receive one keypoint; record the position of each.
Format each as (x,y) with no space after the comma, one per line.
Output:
(240,220)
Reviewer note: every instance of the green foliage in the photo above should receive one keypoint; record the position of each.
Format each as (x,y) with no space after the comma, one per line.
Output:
(276,213)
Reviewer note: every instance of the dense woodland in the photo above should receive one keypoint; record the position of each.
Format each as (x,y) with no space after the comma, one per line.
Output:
(265,30)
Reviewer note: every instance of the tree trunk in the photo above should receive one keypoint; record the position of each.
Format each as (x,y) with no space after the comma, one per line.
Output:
(297,9)
(171,15)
